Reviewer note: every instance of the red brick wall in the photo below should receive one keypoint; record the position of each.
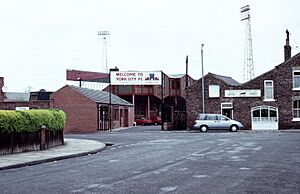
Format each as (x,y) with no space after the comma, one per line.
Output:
(194,98)
(121,121)
(31,104)
(81,112)
(282,76)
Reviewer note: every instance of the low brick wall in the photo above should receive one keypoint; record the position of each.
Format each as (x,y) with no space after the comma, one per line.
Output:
(24,142)
(41,104)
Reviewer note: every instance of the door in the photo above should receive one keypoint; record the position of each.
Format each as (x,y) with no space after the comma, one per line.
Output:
(224,122)
(227,109)
(125,118)
(103,119)
(264,118)
(212,121)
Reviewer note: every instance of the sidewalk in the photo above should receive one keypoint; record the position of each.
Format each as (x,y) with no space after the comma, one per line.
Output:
(72,148)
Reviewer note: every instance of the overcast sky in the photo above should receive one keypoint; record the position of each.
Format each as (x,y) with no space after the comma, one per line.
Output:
(40,39)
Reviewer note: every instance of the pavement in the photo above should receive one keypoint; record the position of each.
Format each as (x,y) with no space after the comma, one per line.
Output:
(71,148)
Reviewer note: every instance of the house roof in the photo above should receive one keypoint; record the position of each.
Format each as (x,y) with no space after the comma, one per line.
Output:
(101,96)
(228,80)
(16,96)
(175,75)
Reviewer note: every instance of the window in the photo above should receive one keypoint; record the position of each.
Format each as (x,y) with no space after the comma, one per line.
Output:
(121,113)
(175,84)
(116,114)
(269,91)
(226,105)
(296,110)
(296,79)
(202,117)
(212,117)
(214,91)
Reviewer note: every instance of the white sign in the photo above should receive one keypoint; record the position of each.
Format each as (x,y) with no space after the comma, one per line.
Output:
(242,93)
(135,78)
(22,108)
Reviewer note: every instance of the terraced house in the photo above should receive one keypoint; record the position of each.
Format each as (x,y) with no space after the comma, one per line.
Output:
(269,101)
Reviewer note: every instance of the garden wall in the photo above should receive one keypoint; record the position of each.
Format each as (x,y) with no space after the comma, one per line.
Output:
(24,142)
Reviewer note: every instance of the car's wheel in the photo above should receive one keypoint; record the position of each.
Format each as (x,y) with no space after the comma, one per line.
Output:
(203,128)
(234,128)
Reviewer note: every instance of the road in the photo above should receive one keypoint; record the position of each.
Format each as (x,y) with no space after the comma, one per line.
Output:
(148,160)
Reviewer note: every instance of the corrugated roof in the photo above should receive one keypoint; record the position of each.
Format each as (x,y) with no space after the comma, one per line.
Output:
(227,80)
(101,96)
(16,96)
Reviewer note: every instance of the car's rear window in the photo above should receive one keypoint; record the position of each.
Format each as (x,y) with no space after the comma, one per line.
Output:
(202,117)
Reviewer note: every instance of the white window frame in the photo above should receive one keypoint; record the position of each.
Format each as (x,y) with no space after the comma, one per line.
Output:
(213,91)
(296,109)
(268,87)
(295,88)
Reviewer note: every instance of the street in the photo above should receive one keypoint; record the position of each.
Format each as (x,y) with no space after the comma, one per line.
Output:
(148,160)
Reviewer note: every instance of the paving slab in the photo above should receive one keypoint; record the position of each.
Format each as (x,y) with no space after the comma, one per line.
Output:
(71,148)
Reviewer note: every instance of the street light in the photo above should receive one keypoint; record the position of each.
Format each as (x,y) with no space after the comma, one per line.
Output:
(203,108)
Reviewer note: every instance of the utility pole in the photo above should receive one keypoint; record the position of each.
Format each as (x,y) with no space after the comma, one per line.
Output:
(110,91)
(203,104)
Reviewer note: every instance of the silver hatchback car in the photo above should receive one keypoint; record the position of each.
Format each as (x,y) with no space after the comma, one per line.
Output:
(216,121)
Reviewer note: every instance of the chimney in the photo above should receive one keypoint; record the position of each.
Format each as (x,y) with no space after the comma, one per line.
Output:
(186,71)
(287,47)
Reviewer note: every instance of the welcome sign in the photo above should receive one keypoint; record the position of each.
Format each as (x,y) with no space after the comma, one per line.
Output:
(135,77)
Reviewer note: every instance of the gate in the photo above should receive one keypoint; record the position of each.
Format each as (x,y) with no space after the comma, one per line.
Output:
(103,118)
(264,117)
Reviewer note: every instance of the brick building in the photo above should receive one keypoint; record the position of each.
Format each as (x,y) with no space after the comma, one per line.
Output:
(87,110)
(17,100)
(147,99)
(269,101)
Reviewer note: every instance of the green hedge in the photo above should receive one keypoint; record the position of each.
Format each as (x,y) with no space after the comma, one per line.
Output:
(31,120)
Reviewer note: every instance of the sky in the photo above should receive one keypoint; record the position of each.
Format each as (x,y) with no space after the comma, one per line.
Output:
(40,39)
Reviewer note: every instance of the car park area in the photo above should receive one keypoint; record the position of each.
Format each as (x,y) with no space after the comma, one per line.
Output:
(148,160)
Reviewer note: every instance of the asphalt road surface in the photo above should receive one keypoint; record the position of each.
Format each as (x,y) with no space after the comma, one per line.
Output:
(147,160)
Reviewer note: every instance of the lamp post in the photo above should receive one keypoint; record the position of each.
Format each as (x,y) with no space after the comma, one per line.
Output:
(203,104)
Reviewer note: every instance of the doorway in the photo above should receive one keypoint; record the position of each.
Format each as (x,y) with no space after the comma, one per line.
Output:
(227,109)
(264,117)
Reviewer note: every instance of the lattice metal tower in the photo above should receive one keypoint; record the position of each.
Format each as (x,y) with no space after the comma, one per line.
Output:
(248,71)
(105,35)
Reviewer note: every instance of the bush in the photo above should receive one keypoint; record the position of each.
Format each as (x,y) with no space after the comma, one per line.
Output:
(31,120)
